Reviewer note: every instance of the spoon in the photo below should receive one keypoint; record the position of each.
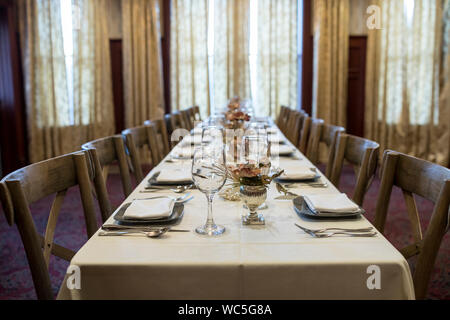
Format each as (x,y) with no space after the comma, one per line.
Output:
(156,233)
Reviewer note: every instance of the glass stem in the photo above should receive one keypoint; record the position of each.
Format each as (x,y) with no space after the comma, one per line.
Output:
(210,219)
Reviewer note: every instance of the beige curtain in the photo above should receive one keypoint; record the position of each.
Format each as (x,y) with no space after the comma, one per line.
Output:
(331,34)
(277,68)
(144,95)
(230,60)
(402,86)
(45,78)
(189,55)
(92,80)
(64,110)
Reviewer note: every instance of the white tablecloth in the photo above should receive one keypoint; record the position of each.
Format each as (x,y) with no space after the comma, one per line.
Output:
(276,261)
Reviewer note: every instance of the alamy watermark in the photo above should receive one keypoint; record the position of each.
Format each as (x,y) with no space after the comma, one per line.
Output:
(374,19)
(374,280)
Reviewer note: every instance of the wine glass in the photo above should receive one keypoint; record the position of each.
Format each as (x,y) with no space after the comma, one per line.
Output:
(209,176)
(256,150)
(213,134)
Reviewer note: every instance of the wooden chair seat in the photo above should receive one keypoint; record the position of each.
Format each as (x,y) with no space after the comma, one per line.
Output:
(363,155)
(27,185)
(430,181)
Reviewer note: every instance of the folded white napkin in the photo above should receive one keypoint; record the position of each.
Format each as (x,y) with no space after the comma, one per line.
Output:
(297,172)
(150,209)
(274,138)
(175,173)
(281,150)
(183,152)
(195,139)
(337,203)
(272,130)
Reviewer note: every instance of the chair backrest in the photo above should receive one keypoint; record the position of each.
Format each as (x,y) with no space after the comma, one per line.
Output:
(136,139)
(363,155)
(281,117)
(186,114)
(293,126)
(30,184)
(326,134)
(176,122)
(304,130)
(162,135)
(312,149)
(284,127)
(428,180)
(106,151)
(197,115)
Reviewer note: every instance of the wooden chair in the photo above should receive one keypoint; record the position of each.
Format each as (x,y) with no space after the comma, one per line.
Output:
(363,155)
(293,126)
(193,116)
(186,114)
(106,151)
(162,136)
(30,184)
(174,121)
(305,128)
(284,120)
(281,117)
(327,134)
(136,140)
(197,115)
(430,181)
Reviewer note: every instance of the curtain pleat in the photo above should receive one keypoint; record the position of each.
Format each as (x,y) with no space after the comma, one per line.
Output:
(55,125)
(405,108)
(331,34)
(277,65)
(189,83)
(143,82)
(231,69)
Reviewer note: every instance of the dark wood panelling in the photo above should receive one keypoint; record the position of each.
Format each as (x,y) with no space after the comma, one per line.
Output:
(165,48)
(117,83)
(356,85)
(307,59)
(12,128)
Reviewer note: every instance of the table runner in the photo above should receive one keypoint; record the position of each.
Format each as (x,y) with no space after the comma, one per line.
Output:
(276,261)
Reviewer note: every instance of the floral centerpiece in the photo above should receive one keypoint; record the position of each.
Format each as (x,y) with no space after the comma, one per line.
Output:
(252,174)
(235,115)
(253,181)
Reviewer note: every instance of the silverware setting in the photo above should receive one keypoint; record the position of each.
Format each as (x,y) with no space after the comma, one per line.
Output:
(177,189)
(329,232)
(180,199)
(305,184)
(150,233)
(116,227)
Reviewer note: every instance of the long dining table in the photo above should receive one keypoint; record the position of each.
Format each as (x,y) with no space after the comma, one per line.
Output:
(275,261)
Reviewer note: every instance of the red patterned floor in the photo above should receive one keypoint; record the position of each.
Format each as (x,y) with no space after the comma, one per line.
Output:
(15,277)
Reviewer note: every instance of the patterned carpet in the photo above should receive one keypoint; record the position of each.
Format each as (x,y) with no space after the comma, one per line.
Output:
(15,277)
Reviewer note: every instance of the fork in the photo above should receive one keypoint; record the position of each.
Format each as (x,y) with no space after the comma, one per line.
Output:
(330,234)
(334,229)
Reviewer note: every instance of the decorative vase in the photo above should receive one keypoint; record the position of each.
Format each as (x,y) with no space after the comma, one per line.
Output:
(253,197)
